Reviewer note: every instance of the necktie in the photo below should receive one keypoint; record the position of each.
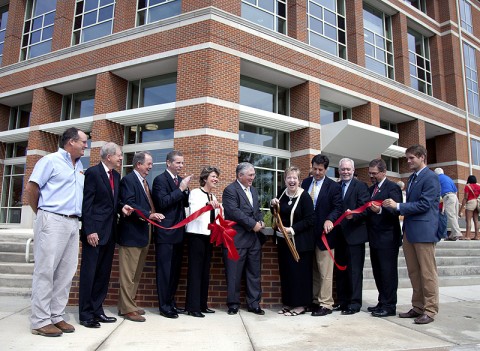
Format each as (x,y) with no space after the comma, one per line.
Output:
(249,195)
(313,193)
(375,191)
(175,180)
(110,178)
(412,180)
(147,191)
(344,188)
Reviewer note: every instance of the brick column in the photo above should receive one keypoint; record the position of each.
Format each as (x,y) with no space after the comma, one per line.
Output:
(62,32)
(225,5)
(13,32)
(297,20)
(4,117)
(368,114)
(453,70)
(305,105)
(450,148)
(438,68)
(125,15)
(355,36)
(410,133)
(400,48)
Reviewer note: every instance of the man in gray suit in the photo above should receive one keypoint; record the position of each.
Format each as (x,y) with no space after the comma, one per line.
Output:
(420,235)
(240,201)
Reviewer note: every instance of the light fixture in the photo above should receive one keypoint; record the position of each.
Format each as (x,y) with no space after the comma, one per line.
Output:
(151,126)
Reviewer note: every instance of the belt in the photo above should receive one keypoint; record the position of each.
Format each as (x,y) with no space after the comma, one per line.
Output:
(450,192)
(59,214)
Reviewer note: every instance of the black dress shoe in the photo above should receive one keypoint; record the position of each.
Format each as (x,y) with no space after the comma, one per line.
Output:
(196,314)
(321,311)
(349,311)
(257,310)
(232,310)
(383,313)
(169,314)
(104,319)
(207,310)
(90,323)
(339,307)
(179,310)
(373,308)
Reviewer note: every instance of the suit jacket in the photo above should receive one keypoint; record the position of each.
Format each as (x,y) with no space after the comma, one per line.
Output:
(237,208)
(355,230)
(99,207)
(169,200)
(384,230)
(133,230)
(328,207)
(420,223)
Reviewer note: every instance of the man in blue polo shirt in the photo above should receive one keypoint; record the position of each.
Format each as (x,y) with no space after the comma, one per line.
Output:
(55,193)
(450,203)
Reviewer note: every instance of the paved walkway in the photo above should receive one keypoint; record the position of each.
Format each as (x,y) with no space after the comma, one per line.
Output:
(457,327)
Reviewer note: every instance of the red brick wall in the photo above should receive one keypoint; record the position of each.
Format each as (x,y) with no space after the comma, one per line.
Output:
(297,22)
(62,33)
(13,36)
(355,36)
(225,5)
(125,15)
(368,114)
(400,43)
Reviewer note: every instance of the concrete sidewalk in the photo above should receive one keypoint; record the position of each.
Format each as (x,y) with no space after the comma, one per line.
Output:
(457,327)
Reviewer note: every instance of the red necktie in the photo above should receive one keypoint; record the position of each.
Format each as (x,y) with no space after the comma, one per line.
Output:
(110,177)
(175,180)
(375,190)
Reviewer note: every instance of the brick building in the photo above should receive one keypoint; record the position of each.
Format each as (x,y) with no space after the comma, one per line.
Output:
(272,82)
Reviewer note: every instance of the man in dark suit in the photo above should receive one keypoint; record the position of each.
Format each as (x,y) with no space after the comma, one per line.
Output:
(327,201)
(170,196)
(385,238)
(134,234)
(420,235)
(240,201)
(99,222)
(351,239)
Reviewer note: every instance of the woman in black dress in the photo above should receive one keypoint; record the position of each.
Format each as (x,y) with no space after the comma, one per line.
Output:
(296,212)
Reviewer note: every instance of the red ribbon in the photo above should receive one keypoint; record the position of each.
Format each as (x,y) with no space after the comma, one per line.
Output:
(339,220)
(222,232)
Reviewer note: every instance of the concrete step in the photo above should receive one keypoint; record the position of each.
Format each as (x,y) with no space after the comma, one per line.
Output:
(441,261)
(443,271)
(6,246)
(9,291)
(14,257)
(369,284)
(16,235)
(16,268)
(15,280)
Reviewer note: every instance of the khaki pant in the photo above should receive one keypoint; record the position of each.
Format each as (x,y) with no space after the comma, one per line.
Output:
(323,278)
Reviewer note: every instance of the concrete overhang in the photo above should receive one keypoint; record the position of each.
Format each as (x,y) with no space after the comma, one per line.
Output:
(143,115)
(271,120)
(15,135)
(359,141)
(85,124)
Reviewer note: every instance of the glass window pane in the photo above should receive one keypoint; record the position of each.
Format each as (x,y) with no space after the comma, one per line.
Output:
(105,13)
(90,5)
(44,6)
(257,16)
(167,10)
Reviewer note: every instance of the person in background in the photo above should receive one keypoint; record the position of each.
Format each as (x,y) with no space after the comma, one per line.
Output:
(472,191)
(199,246)
(296,213)
(450,203)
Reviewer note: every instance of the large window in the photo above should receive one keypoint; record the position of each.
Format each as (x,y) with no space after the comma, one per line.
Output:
(419,58)
(326,26)
(155,10)
(392,163)
(267,13)
(393,127)
(466,15)
(330,113)
(263,136)
(19,117)
(3,26)
(264,96)
(378,42)
(38,28)
(159,163)
(78,105)
(475,144)
(471,79)
(153,91)
(12,184)
(93,19)
(418,4)
(144,133)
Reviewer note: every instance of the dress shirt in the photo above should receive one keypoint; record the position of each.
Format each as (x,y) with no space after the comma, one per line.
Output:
(345,187)
(247,192)
(410,185)
(60,183)
(140,179)
(317,189)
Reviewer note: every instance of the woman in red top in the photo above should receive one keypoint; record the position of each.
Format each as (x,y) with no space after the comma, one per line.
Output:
(472,191)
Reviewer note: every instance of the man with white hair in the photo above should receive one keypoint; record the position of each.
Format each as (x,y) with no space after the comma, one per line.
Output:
(450,203)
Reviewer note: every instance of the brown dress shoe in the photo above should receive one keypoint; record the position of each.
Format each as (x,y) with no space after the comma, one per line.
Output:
(134,317)
(65,327)
(141,312)
(409,314)
(48,330)
(423,319)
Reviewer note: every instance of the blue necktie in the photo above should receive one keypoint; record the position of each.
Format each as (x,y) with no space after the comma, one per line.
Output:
(344,188)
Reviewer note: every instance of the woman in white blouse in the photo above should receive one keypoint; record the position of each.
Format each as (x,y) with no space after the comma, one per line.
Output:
(199,246)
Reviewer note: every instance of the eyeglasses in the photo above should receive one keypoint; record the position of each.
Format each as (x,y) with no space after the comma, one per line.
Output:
(373,173)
